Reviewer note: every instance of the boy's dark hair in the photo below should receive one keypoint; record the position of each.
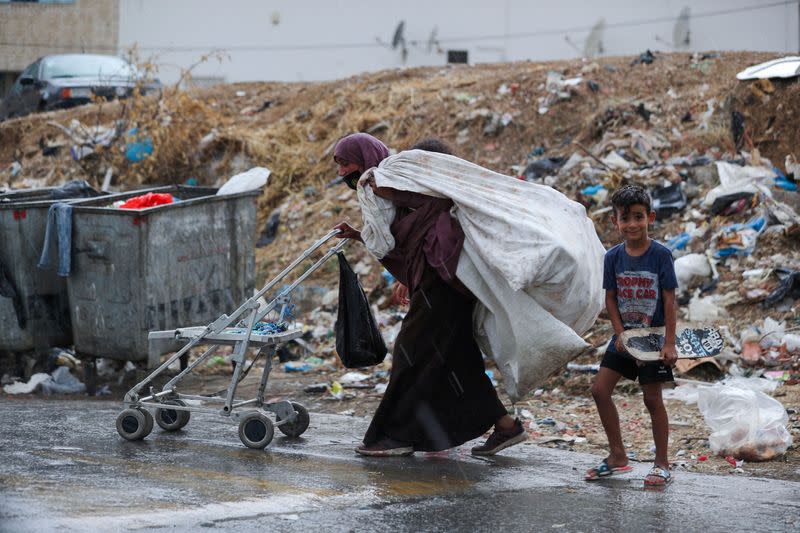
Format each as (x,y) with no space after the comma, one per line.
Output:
(630,195)
(432,145)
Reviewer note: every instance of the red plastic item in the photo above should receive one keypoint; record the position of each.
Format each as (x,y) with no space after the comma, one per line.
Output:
(703,458)
(150,199)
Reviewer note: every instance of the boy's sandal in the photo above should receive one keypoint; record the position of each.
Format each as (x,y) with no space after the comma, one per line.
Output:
(603,470)
(661,475)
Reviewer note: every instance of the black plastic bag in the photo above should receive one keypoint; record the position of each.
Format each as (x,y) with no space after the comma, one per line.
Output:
(358,340)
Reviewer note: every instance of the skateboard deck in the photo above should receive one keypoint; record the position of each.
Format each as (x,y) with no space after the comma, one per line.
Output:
(691,342)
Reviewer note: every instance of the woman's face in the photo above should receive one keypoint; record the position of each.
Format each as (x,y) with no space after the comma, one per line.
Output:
(343,168)
(350,172)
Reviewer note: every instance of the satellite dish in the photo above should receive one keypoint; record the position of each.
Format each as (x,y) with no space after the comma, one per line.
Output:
(680,33)
(432,40)
(594,42)
(399,38)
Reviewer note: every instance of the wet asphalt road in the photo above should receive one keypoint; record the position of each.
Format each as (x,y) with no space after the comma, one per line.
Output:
(63,467)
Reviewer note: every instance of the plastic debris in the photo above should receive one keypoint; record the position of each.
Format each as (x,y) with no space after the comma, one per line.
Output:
(746,424)
(540,168)
(590,369)
(645,58)
(337,391)
(295,366)
(784,67)
(668,200)
(558,88)
(151,199)
(738,239)
(737,179)
(26,388)
(691,266)
(353,377)
(705,309)
(730,204)
(255,178)
(679,242)
(61,381)
(139,146)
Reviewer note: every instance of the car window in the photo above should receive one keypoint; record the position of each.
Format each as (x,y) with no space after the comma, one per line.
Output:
(14,90)
(30,71)
(80,66)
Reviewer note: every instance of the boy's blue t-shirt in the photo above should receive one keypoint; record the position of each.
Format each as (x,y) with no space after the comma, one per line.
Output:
(639,282)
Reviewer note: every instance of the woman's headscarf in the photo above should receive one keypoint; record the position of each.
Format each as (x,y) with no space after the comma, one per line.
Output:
(361,148)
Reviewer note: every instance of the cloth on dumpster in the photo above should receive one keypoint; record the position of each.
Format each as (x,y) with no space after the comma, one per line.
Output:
(58,236)
(531,256)
(74,189)
(150,199)
(9,290)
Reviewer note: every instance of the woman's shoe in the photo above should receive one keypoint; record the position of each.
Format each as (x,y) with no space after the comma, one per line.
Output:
(500,440)
(386,448)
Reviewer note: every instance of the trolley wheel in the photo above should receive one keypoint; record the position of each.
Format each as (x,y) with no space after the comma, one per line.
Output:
(299,425)
(256,430)
(172,419)
(148,422)
(132,424)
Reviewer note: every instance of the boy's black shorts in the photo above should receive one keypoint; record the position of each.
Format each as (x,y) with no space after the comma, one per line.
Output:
(655,372)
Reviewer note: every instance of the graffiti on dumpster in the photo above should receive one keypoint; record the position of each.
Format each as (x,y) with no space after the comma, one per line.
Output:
(194,308)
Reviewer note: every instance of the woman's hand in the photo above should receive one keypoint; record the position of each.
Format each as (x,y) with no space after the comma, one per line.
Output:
(347,231)
(400,294)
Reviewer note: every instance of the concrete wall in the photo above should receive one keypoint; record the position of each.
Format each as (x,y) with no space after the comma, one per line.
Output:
(327,39)
(30,30)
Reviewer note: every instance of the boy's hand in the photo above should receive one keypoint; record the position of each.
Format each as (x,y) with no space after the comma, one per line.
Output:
(669,354)
(619,345)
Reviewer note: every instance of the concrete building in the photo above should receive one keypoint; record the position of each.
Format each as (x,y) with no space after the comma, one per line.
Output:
(291,40)
(30,29)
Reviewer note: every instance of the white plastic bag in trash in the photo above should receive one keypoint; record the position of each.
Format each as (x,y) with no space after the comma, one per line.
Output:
(26,388)
(690,266)
(746,424)
(706,308)
(531,256)
(255,178)
(735,179)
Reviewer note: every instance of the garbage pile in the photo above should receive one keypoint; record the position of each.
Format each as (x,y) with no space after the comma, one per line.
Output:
(718,155)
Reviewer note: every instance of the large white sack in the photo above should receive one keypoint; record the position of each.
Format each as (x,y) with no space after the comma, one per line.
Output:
(532,258)
(534,236)
(527,342)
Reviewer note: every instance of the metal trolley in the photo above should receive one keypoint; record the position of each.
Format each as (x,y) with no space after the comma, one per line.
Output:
(244,330)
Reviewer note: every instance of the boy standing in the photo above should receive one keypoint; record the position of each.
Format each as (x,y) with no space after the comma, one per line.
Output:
(639,279)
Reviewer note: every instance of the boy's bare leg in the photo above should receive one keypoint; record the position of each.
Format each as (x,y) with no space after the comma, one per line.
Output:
(658,416)
(602,389)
